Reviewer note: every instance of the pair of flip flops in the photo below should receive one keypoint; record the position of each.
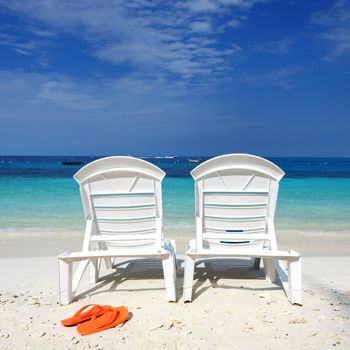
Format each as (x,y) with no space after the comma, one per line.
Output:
(95,318)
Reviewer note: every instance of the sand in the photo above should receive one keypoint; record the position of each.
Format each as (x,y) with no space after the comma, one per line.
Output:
(233,308)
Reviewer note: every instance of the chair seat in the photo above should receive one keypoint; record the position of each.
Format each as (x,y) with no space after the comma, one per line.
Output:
(276,254)
(78,256)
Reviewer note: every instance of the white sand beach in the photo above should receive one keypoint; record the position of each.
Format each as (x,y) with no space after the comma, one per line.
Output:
(233,308)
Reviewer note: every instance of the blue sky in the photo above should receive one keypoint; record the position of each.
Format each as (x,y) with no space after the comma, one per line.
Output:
(204,77)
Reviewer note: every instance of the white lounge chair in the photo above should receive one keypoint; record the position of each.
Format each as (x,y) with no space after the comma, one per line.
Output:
(236,196)
(122,201)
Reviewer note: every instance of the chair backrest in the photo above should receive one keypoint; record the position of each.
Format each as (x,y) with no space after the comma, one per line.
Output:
(235,195)
(123,198)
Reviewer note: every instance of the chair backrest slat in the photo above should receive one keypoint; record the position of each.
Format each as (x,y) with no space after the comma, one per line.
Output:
(122,195)
(235,195)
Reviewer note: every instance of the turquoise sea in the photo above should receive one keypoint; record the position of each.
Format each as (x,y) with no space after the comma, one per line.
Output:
(39,194)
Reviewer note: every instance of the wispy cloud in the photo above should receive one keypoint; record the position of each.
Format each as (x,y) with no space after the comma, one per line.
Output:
(21,46)
(279,47)
(39,88)
(202,5)
(118,103)
(128,95)
(201,27)
(282,77)
(66,93)
(42,32)
(176,38)
(335,29)
(234,23)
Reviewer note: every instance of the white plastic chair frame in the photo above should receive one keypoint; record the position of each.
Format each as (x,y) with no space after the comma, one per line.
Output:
(236,197)
(122,202)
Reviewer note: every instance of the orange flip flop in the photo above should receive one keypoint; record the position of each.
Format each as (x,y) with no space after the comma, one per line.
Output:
(107,317)
(81,316)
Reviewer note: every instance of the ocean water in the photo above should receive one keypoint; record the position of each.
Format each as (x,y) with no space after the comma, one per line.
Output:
(39,194)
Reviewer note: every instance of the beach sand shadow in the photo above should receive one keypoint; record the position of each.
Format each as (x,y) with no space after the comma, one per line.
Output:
(214,270)
(128,270)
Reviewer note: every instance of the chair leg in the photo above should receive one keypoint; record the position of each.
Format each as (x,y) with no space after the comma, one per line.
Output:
(188,278)
(256,263)
(65,271)
(78,274)
(270,270)
(108,262)
(174,268)
(169,277)
(173,244)
(94,270)
(294,282)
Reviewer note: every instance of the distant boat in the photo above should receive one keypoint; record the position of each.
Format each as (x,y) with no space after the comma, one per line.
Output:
(71,163)
(166,157)
(194,160)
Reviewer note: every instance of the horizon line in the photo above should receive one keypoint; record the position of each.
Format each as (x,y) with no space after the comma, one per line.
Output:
(165,155)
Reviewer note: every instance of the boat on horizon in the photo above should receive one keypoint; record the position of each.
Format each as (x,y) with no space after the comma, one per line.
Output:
(68,162)
(166,157)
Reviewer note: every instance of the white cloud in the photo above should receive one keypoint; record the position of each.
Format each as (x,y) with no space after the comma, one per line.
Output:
(233,23)
(201,27)
(282,77)
(39,88)
(245,4)
(155,36)
(278,47)
(335,26)
(202,5)
(121,95)
(19,45)
(43,33)
(70,95)
(19,83)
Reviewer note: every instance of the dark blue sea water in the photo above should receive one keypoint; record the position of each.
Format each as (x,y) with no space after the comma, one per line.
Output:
(39,193)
